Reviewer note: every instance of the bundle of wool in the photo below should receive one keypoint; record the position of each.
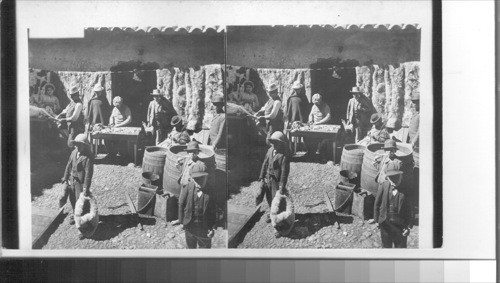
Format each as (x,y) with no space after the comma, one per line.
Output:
(86,215)
(307,84)
(86,81)
(364,80)
(396,107)
(164,82)
(388,90)
(179,91)
(195,93)
(412,89)
(378,92)
(282,213)
(214,85)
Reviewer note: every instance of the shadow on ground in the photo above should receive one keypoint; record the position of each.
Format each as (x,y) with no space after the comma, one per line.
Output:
(112,225)
(309,223)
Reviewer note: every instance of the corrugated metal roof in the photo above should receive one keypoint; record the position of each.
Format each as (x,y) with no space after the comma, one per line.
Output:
(201,29)
(161,29)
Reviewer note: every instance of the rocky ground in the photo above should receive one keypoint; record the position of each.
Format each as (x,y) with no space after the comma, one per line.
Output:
(315,226)
(117,227)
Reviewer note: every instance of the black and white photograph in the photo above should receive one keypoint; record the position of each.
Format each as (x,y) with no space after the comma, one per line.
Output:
(127,138)
(323,136)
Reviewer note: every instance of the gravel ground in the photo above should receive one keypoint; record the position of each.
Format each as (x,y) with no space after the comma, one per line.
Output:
(116,228)
(315,226)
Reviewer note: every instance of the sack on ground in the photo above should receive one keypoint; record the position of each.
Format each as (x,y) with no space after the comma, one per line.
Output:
(282,213)
(86,215)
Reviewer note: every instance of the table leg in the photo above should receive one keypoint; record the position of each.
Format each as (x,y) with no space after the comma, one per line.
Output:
(334,150)
(135,153)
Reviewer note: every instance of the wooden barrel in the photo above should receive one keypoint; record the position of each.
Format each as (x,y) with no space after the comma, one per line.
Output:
(368,170)
(154,160)
(171,173)
(352,158)
(220,159)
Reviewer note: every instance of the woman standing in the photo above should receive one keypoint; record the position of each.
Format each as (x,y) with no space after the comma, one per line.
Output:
(48,100)
(98,108)
(272,112)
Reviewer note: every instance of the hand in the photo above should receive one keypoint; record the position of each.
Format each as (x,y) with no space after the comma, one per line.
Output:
(211,233)
(64,181)
(376,225)
(176,222)
(406,232)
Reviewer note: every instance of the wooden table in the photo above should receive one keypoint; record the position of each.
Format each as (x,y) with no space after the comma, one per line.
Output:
(128,134)
(327,132)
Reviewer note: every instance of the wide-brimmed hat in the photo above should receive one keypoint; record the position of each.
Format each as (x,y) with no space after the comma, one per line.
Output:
(73,90)
(392,172)
(218,99)
(98,88)
(393,123)
(277,137)
(390,144)
(272,87)
(193,146)
(156,92)
(297,85)
(81,139)
(375,118)
(176,120)
(245,83)
(355,90)
(199,169)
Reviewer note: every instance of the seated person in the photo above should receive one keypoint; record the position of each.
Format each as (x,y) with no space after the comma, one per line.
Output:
(178,135)
(378,133)
(320,114)
(121,116)
(249,99)
(48,100)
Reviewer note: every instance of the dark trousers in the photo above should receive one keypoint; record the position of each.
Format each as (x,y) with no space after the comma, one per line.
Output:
(196,237)
(269,190)
(392,234)
(76,189)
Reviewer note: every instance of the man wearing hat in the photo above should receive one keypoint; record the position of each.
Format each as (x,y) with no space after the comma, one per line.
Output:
(378,133)
(274,171)
(393,212)
(249,99)
(185,166)
(388,159)
(160,111)
(272,112)
(178,135)
(359,110)
(74,115)
(218,124)
(197,211)
(79,171)
(413,128)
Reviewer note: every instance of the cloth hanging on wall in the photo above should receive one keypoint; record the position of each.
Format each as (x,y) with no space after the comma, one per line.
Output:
(195,96)
(214,85)
(397,75)
(164,82)
(179,91)
(412,89)
(364,80)
(378,89)
(388,90)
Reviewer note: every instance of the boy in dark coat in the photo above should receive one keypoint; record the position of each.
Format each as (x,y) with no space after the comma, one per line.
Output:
(275,169)
(197,211)
(393,211)
(79,171)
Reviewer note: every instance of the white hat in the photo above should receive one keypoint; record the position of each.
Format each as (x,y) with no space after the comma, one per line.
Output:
(272,87)
(297,85)
(98,88)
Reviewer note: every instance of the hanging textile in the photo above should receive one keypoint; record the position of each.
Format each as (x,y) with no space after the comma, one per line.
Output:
(164,82)
(378,89)
(412,89)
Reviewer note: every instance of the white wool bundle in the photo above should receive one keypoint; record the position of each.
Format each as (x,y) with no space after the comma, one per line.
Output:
(283,220)
(86,221)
